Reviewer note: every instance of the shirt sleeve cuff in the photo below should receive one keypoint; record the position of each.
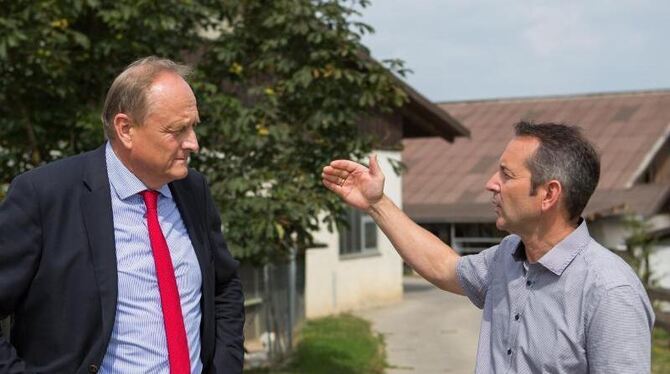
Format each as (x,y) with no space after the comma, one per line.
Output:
(470,290)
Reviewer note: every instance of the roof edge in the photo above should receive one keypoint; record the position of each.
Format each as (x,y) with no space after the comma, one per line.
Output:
(588,95)
(438,114)
(649,157)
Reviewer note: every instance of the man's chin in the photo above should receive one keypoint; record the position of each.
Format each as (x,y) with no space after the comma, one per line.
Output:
(500,224)
(181,173)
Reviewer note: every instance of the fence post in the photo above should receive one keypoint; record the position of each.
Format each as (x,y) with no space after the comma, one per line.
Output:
(267,310)
(291,296)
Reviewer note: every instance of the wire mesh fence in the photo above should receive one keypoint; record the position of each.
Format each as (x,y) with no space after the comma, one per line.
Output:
(275,308)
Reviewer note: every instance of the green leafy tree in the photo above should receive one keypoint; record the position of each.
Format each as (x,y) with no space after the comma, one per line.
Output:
(282,86)
(639,248)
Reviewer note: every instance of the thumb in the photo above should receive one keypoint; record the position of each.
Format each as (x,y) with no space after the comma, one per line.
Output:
(374,168)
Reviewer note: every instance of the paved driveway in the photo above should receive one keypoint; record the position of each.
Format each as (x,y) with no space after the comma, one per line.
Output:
(429,332)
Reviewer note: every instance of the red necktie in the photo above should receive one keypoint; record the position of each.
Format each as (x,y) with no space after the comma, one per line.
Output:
(175,332)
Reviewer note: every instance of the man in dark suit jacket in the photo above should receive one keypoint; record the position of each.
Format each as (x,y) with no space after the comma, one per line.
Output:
(76,264)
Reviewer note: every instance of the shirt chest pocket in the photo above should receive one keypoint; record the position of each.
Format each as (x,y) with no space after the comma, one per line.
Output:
(552,337)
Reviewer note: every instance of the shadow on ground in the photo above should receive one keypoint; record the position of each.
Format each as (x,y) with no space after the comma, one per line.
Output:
(417,287)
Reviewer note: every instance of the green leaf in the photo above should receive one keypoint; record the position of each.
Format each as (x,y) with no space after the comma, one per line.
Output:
(81,39)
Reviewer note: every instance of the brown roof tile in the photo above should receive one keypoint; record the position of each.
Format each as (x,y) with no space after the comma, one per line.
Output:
(443,179)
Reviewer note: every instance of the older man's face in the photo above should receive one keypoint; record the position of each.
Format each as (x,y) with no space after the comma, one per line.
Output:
(161,145)
(514,205)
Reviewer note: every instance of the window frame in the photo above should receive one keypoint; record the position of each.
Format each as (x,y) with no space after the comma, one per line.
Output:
(353,239)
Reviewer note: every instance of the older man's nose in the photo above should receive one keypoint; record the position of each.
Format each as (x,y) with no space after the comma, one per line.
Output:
(191,142)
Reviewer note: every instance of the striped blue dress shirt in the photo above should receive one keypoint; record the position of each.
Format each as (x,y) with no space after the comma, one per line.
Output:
(138,343)
(580,309)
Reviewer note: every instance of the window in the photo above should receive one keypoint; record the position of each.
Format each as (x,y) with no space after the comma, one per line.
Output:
(468,238)
(360,236)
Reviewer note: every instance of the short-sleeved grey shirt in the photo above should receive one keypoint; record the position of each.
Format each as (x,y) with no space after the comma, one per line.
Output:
(579,309)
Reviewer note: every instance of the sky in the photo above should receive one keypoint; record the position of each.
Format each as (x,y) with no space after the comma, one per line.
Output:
(482,49)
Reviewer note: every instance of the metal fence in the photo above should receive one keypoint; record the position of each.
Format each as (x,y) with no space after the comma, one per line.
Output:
(275,307)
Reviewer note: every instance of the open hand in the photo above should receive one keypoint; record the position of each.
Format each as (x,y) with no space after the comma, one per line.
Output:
(357,185)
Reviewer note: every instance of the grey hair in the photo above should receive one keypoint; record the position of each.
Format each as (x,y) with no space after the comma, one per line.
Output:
(128,93)
(564,155)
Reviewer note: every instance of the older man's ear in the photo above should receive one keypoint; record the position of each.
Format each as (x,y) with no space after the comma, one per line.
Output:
(123,125)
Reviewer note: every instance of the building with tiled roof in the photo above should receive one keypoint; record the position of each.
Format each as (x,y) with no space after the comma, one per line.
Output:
(443,187)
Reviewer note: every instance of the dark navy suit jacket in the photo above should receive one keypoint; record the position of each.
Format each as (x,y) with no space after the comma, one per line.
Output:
(58,273)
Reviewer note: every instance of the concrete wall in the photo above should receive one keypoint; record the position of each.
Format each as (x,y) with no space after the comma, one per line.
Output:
(335,283)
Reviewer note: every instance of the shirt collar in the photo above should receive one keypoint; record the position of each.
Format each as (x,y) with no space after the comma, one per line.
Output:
(561,255)
(123,181)
(519,253)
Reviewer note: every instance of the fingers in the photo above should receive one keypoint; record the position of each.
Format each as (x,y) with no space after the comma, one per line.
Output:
(330,185)
(339,171)
(335,175)
(343,168)
(346,165)
(329,170)
(333,178)
(374,165)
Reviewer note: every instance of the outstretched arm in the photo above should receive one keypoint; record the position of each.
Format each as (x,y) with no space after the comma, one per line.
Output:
(363,188)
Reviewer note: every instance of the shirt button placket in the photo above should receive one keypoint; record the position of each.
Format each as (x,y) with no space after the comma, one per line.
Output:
(517,316)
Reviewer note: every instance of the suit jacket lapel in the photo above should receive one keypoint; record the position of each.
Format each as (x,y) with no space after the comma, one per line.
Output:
(184,197)
(96,208)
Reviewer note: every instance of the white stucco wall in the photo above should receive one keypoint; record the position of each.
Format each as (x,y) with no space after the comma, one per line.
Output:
(611,232)
(335,284)
(660,259)
(660,264)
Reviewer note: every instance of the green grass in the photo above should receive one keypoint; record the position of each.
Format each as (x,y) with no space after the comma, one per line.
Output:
(660,354)
(336,345)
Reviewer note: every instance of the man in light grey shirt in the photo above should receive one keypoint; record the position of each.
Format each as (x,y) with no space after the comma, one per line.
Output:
(554,300)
